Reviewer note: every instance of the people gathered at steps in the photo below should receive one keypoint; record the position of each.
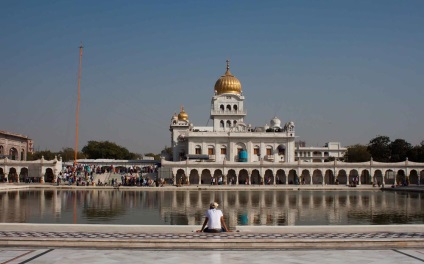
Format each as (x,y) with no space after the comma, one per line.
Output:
(84,175)
(214,220)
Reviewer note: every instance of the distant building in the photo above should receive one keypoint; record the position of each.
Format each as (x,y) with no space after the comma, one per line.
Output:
(330,151)
(300,143)
(15,146)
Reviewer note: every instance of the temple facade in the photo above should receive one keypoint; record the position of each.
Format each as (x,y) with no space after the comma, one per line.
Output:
(233,152)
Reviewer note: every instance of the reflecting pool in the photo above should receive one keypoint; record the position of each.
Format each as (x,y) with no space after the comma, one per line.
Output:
(146,207)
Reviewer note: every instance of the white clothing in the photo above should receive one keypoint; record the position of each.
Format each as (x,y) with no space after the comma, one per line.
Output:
(214,218)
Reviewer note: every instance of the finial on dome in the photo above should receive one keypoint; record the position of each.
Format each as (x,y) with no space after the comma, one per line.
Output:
(228,68)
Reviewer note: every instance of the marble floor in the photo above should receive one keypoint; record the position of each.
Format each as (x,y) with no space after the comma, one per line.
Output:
(81,255)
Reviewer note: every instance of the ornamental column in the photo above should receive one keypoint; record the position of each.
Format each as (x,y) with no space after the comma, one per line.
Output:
(407,172)
(174,178)
(286,176)
(359,177)
(383,176)
(311,176)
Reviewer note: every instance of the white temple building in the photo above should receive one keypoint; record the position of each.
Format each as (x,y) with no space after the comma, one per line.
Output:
(233,152)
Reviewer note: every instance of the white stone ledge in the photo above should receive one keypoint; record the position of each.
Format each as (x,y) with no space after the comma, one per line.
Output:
(332,229)
(179,229)
(98,228)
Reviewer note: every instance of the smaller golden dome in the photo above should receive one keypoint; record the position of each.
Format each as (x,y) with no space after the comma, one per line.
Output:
(228,84)
(182,115)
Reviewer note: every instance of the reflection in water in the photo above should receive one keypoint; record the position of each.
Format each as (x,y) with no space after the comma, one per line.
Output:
(141,207)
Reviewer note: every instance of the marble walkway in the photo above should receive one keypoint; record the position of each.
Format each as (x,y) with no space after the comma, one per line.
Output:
(92,256)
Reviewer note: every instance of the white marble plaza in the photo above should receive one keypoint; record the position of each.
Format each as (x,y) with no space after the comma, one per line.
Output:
(81,255)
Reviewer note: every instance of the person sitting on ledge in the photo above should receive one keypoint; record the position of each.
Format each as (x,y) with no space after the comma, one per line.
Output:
(215,220)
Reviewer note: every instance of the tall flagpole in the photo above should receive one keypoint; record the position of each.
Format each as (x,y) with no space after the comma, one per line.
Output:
(78,103)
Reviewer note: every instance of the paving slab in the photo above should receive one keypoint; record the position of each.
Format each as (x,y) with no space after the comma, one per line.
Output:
(87,255)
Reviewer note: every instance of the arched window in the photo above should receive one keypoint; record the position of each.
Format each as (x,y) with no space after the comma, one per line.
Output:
(223,150)
(268,150)
(235,108)
(13,154)
(221,123)
(229,107)
(221,107)
(281,150)
(1,150)
(228,123)
(256,151)
(22,155)
(198,150)
(235,122)
(211,150)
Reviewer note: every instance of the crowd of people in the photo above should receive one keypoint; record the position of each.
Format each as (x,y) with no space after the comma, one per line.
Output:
(83,175)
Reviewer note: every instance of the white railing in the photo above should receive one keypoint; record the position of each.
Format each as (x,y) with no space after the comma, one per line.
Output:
(269,157)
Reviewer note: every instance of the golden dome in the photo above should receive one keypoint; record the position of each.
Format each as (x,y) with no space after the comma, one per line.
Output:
(182,115)
(228,84)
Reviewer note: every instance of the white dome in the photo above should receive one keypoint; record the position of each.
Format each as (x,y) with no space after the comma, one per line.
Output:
(275,122)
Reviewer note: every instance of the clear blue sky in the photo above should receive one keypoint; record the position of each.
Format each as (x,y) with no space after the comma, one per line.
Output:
(341,70)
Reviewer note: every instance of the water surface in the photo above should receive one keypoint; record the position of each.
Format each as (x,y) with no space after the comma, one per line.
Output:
(147,207)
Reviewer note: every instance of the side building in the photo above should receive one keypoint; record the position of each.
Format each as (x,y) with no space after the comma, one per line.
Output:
(233,152)
(15,146)
(14,167)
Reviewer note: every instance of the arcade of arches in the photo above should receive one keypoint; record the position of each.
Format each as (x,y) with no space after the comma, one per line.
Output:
(41,170)
(14,175)
(301,176)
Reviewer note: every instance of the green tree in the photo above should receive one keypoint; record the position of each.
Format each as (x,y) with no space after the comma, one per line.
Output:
(399,150)
(416,153)
(379,148)
(135,156)
(167,153)
(30,156)
(47,154)
(105,150)
(68,154)
(357,153)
